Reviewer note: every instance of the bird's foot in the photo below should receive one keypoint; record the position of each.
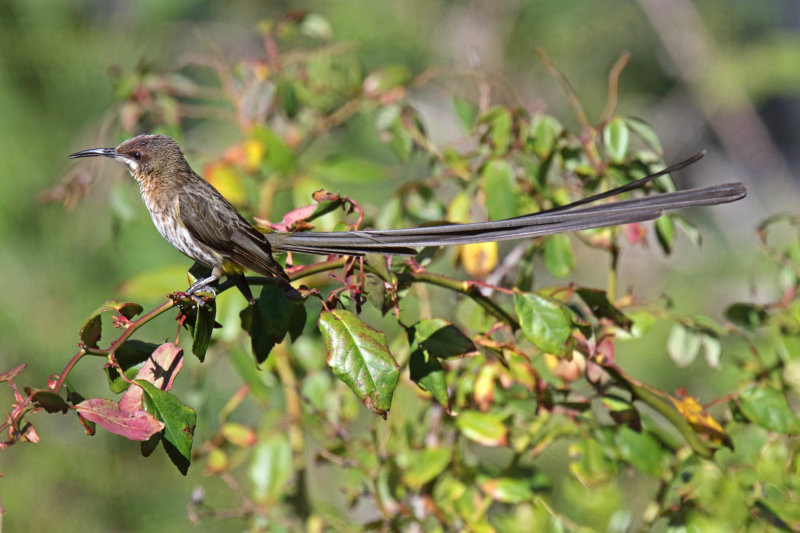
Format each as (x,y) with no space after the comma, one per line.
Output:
(201,294)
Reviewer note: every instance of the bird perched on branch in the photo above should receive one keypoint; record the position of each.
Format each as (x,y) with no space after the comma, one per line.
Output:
(197,220)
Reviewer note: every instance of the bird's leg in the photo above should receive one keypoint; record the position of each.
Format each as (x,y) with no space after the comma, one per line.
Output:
(204,284)
(241,283)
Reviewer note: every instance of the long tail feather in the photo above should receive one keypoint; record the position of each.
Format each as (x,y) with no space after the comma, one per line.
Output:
(558,220)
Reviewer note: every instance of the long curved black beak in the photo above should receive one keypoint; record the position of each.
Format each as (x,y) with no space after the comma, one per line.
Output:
(94,152)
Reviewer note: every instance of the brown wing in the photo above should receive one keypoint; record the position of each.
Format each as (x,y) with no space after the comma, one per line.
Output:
(213,221)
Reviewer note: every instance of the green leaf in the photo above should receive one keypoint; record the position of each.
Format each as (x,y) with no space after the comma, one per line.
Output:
(287,96)
(616,138)
(440,338)
(483,428)
(426,371)
(500,128)
(588,462)
(91,330)
(506,489)
(426,465)
(359,356)
(768,408)
(377,294)
(466,111)
(179,422)
(645,133)
(501,194)
(131,356)
(746,315)
(683,345)
(545,130)
(601,307)
(713,349)
(50,401)
(544,322)
(270,468)
(665,232)
(278,156)
(558,257)
(623,413)
(642,450)
(203,327)
(316,26)
(273,316)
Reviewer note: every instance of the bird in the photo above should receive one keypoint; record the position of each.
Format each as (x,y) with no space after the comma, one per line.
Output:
(200,223)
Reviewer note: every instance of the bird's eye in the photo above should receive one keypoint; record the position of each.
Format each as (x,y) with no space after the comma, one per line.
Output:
(137,155)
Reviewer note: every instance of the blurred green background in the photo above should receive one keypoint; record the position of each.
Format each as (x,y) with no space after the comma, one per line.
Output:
(721,75)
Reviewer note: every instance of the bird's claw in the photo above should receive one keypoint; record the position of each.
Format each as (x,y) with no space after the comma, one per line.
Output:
(202,295)
(198,296)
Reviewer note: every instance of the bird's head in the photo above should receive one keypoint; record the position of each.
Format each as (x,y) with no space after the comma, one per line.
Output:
(145,156)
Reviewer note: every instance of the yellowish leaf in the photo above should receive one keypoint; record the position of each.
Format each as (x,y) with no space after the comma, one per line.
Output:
(254,153)
(479,259)
(227,181)
(698,418)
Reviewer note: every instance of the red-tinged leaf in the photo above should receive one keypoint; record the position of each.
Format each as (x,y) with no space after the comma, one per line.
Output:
(635,233)
(160,370)
(289,219)
(505,489)
(29,434)
(138,425)
(131,357)
(360,357)
(239,434)
(14,372)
